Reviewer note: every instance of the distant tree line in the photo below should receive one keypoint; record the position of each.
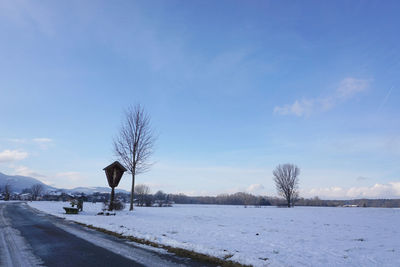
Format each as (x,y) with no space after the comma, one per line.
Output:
(376,203)
(251,200)
(161,199)
(240,198)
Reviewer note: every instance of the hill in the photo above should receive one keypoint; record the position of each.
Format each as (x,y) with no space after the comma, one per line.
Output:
(19,183)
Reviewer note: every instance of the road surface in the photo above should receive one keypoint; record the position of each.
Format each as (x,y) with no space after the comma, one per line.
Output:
(32,238)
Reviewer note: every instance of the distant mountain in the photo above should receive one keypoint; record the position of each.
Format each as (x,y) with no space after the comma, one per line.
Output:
(91,190)
(19,183)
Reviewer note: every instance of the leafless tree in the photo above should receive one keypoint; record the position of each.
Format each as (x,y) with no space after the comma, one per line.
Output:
(286,182)
(37,190)
(142,191)
(134,144)
(7,191)
(161,198)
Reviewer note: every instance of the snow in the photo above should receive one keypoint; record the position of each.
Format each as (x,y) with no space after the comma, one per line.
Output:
(302,236)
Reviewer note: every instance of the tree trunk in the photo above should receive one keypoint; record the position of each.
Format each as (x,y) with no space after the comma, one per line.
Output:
(132,191)
(288,202)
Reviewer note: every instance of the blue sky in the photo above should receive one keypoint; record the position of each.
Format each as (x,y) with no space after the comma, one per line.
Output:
(233,88)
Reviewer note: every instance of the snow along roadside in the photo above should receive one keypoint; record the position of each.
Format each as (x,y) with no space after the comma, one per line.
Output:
(134,254)
(126,251)
(156,246)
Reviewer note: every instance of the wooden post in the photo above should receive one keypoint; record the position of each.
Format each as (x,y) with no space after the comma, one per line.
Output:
(111,206)
(114,173)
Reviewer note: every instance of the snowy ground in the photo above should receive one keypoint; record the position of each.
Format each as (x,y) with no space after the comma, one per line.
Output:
(302,236)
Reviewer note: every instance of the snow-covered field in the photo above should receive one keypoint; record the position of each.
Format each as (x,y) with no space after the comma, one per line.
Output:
(302,236)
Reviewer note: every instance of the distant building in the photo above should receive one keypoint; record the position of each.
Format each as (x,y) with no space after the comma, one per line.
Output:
(25,196)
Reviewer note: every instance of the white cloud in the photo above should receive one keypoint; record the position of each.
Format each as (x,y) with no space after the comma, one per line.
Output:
(350,87)
(298,108)
(25,171)
(50,183)
(255,189)
(194,193)
(18,140)
(389,190)
(347,89)
(70,176)
(12,155)
(43,143)
(42,140)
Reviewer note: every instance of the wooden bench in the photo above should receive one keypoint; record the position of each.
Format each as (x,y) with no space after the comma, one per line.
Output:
(69,210)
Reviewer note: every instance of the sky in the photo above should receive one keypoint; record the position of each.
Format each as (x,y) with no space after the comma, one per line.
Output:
(233,89)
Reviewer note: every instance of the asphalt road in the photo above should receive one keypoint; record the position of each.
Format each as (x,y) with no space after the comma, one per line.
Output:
(32,238)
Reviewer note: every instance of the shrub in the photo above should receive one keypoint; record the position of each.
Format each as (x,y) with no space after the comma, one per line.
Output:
(119,205)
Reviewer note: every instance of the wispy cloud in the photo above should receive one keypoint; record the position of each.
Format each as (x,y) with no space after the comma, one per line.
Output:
(25,171)
(194,192)
(299,108)
(347,89)
(43,142)
(255,189)
(385,99)
(362,178)
(389,190)
(17,140)
(70,176)
(12,155)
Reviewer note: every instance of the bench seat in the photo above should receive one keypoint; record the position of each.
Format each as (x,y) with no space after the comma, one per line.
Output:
(69,210)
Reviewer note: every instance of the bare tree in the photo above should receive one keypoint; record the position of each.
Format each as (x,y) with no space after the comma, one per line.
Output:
(26,191)
(135,142)
(37,190)
(161,198)
(7,191)
(142,192)
(286,182)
